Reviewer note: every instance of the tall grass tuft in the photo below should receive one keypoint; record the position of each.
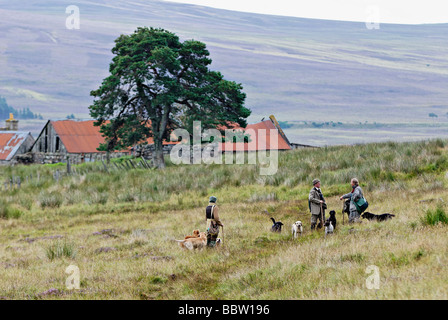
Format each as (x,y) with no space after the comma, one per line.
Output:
(50,199)
(434,217)
(8,212)
(60,249)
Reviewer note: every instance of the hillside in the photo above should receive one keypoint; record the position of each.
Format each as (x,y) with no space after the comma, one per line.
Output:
(118,227)
(298,69)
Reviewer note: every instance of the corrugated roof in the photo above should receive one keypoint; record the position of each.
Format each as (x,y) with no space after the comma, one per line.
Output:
(82,136)
(10,142)
(261,140)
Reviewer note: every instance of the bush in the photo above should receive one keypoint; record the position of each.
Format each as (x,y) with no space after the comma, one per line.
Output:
(434,217)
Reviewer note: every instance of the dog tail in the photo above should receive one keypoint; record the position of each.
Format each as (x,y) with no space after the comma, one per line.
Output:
(273,220)
(181,241)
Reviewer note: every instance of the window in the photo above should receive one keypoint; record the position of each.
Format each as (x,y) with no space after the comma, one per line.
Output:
(57,144)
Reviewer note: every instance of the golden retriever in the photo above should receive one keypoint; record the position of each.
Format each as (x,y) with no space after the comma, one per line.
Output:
(195,235)
(194,243)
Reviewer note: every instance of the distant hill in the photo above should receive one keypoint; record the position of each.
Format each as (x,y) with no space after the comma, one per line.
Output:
(297,69)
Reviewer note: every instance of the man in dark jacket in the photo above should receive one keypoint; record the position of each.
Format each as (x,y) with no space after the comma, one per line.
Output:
(317,205)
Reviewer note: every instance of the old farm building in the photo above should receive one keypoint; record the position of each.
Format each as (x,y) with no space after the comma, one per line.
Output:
(260,138)
(77,139)
(13,142)
(266,135)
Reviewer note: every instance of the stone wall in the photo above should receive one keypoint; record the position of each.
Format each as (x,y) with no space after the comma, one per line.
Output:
(75,158)
(148,150)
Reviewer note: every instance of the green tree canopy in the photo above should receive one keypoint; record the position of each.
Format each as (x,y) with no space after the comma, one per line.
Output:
(157,84)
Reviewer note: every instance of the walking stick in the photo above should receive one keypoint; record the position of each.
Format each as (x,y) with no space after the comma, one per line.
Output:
(343,216)
(322,215)
(222,227)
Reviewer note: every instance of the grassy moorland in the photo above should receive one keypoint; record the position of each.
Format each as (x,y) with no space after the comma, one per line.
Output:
(118,227)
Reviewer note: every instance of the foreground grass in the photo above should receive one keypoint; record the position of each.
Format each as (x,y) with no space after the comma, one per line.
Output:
(122,241)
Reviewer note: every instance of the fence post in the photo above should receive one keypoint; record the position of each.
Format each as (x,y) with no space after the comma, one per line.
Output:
(105,167)
(69,169)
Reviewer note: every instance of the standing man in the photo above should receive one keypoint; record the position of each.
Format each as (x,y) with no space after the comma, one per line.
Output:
(354,196)
(317,205)
(213,222)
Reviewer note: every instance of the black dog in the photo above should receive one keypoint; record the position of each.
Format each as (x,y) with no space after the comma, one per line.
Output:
(377,217)
(277,226)
(332,218)
(346,208)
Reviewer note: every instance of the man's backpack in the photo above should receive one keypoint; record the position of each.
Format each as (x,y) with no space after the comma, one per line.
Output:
(209,212)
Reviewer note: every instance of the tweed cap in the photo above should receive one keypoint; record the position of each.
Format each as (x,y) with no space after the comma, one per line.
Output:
(315,181)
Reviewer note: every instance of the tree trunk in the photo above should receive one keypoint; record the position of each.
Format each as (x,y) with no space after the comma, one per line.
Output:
(159,160)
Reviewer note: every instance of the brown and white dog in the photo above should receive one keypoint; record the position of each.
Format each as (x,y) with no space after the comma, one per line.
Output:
(194,243)
(296,229)
(195,235)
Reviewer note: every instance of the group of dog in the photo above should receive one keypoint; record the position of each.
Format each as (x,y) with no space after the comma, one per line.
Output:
(196,241)
(330,223)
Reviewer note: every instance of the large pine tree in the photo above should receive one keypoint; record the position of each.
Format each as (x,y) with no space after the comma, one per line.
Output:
(157,84)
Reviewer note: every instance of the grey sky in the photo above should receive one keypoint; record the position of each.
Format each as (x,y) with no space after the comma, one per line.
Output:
(386,11)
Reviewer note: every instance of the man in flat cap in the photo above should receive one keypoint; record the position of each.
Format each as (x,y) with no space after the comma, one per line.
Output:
(317,205)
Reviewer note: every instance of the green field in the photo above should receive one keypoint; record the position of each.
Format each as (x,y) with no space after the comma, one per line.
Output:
(118,228)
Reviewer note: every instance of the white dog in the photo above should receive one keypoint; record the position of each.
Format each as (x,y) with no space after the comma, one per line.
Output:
(328,227)
(296,229)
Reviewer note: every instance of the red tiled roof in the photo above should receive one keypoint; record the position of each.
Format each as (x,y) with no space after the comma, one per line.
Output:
(260,139)
(83,136)
(10,142)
